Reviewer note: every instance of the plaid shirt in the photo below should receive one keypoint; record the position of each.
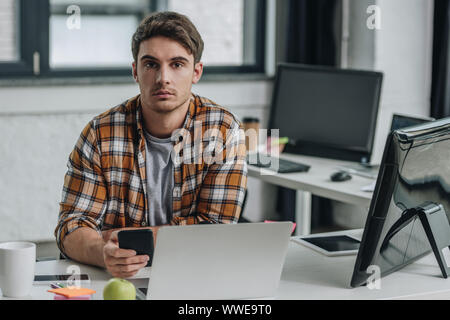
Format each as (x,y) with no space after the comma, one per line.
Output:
(105,185)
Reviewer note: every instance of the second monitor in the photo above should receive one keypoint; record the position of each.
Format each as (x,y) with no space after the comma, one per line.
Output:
(326,112)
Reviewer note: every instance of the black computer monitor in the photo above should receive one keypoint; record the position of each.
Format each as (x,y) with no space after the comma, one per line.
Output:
(326,112)
(414,170)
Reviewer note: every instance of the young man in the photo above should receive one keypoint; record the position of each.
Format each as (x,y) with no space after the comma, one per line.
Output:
(164,157)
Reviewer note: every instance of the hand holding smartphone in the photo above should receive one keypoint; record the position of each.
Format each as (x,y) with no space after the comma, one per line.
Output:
(140,240)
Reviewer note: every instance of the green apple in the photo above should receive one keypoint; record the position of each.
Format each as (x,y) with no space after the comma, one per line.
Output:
(119,289)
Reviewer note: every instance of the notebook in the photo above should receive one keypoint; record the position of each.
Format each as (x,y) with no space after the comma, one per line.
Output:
(218,261)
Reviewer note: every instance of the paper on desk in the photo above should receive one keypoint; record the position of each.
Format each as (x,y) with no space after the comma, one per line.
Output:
(366,173)
(369,188)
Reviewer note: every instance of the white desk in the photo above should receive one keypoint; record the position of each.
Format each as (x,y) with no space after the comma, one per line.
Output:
(316,181)
(311,275)
(306,275)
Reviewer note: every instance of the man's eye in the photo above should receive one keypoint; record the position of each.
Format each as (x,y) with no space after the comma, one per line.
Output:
(177,64)
(150,65)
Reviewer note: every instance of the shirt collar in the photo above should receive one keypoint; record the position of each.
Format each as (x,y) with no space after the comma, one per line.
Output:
(139,116)
(194,101)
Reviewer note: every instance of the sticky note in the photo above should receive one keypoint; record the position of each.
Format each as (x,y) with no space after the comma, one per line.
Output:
(293,224)
(60,297)
(283,140)
(72,292)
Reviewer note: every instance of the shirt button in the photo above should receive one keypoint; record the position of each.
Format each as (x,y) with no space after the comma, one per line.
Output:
(143,223)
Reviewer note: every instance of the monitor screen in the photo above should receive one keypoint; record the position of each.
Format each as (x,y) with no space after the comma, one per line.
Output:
(327,112)
(414,170)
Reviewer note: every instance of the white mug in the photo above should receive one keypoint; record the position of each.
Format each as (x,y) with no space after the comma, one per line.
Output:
(17,261)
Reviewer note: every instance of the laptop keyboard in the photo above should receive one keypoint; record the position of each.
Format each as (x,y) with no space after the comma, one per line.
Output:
(284,166)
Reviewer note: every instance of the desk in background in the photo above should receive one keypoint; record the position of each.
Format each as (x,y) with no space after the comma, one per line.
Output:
(315,182)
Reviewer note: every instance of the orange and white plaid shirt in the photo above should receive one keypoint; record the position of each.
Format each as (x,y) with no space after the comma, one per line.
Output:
(105,185)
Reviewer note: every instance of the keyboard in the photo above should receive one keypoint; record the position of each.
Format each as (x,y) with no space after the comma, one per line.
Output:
(284,166)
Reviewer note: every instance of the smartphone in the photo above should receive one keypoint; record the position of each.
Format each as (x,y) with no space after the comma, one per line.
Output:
(52,278)
(140,241)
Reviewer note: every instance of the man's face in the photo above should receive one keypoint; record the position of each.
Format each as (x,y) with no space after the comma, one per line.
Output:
(165,72)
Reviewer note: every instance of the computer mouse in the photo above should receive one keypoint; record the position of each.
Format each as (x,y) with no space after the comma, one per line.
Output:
(340,176)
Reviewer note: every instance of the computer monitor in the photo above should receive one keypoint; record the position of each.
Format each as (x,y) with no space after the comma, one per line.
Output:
(414,170)
(325,111)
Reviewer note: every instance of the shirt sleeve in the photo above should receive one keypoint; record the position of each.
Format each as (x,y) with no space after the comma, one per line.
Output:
(221,195)
(84,192)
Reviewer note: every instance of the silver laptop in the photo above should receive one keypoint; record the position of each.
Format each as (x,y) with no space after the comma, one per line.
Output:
(220,261)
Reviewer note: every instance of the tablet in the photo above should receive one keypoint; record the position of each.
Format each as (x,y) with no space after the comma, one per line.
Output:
(331,245)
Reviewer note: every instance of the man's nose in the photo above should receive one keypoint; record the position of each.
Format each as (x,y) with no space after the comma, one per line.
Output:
(163,75)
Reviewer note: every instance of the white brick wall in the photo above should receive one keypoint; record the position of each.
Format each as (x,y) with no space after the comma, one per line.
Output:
(34,151)
(8,29)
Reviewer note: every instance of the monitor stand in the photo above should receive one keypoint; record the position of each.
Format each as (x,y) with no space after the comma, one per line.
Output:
(436,226)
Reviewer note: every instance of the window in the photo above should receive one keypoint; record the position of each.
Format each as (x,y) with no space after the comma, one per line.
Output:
(9,18)
(100,37)
(18,37)
(53,38)
(233,32)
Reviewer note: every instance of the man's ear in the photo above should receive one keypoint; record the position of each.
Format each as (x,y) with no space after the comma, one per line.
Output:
(135,76)
(198,71)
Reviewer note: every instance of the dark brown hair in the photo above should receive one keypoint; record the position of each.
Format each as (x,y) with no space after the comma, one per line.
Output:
(172,25)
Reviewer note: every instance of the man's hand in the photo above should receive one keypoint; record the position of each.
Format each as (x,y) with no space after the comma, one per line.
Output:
(122,263)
